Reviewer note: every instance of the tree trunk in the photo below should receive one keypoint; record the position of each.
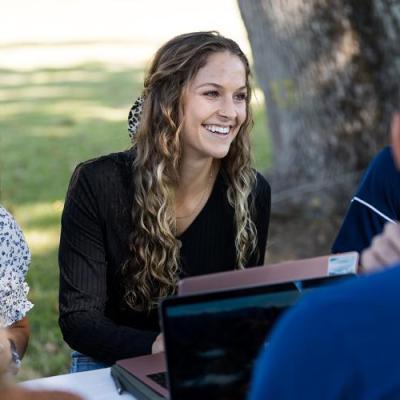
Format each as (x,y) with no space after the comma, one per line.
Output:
(330,72)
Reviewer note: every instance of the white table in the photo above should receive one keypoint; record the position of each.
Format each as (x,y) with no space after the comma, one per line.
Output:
(90,385)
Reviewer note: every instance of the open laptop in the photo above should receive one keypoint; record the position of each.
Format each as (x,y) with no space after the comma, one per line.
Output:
(145,376)
(212,339)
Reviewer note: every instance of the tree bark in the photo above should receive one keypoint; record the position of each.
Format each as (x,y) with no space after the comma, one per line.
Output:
(330,72)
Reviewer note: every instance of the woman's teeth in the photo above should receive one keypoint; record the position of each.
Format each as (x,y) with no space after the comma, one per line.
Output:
(221,130)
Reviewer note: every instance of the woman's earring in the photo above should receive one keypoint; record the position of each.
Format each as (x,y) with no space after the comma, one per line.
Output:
(134,116)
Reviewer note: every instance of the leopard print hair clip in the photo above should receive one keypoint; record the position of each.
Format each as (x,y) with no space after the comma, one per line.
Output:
(134,116)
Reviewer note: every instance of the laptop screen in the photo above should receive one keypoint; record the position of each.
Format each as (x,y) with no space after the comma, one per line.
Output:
(213,339)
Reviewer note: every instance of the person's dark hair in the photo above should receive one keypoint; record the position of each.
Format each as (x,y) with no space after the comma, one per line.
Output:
(152,271)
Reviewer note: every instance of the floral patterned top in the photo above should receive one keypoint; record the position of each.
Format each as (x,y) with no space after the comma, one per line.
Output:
(14,261)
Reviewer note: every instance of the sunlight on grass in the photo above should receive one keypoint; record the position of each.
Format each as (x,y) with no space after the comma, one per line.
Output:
(10,79)
(30,213)
(69,113)
(38,92)
(43,240)
(87,110)
(41,223)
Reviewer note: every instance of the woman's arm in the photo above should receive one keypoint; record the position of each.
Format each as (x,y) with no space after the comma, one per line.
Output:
(84,274)
(5,353)
(14,261)
(19,333)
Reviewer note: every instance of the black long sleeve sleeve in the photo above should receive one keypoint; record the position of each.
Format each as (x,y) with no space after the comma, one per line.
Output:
(84,281)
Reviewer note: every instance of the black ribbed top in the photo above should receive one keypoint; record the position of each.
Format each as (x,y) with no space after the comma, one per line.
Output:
(96,225)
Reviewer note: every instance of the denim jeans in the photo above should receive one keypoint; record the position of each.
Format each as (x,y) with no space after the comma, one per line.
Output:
(81,363)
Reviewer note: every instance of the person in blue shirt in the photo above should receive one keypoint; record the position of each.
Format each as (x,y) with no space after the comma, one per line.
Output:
(376,202)
(342,341)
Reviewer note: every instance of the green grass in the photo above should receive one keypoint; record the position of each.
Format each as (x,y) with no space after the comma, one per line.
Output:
(49,121)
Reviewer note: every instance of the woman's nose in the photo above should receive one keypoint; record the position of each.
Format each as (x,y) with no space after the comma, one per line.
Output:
(227,110)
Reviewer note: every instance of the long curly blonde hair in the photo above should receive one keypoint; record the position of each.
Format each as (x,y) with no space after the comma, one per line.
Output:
(152,271)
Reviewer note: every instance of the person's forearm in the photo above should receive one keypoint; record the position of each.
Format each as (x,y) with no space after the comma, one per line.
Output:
(97,336)
(19,334)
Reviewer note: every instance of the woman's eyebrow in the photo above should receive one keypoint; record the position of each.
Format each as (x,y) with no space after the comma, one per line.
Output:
(217,86)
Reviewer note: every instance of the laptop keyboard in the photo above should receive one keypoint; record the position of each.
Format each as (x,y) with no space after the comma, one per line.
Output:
(160,378)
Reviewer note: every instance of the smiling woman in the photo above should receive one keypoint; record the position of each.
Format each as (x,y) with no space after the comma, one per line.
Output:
(182,201)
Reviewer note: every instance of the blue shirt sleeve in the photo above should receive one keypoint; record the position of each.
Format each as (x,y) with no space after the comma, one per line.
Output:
(305,359)
(376,201)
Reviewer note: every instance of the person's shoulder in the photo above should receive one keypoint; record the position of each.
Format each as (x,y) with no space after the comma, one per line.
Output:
(385,155)
(323,303)
(106,163)
(103,169)
(383,162)
(5,217)
(385,281)
(100,173)
(14,251)
(307,346)
(337,300)
(9,225)
(380,177)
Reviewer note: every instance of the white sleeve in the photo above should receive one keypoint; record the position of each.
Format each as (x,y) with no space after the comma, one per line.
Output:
(14,262)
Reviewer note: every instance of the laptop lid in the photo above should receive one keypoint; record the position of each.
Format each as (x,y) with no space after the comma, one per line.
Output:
(212,339)
(329,265)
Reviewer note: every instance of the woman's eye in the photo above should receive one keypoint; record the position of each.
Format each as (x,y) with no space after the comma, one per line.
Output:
(211,93)
(241,97)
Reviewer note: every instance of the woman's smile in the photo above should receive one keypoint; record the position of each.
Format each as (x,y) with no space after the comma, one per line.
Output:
(219,130)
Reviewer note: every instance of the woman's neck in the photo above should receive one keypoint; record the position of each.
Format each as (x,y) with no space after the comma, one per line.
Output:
(194,189)
(195,176)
